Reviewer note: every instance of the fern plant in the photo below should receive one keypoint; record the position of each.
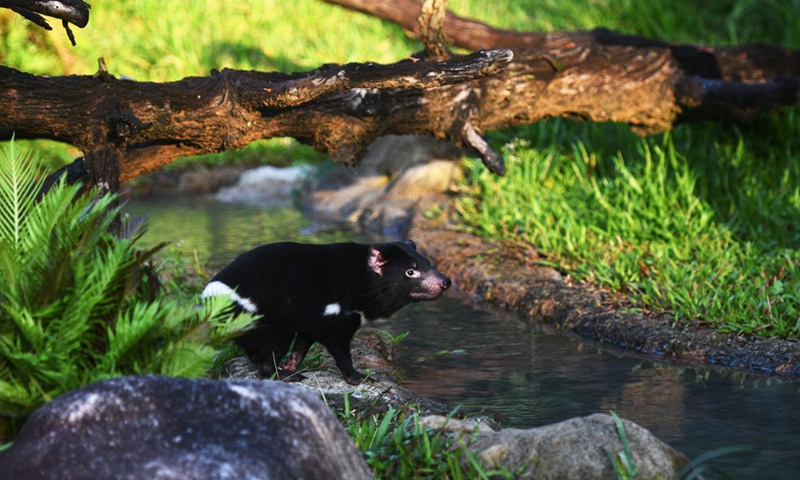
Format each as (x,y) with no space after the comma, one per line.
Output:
(78,304)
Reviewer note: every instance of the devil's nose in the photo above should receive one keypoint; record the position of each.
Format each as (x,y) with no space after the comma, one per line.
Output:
(446,283)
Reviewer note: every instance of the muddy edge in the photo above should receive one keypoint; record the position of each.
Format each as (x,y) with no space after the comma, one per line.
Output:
(505,277)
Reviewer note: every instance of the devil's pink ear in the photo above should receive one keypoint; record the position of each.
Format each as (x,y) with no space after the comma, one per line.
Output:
(376,261)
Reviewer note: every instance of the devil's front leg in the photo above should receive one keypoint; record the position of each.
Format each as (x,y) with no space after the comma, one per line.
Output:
(337,342)
(288,371)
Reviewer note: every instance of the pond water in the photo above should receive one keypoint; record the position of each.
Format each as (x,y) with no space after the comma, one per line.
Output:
(488,362)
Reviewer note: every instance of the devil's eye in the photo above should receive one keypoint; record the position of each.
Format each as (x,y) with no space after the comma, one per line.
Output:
(411,272)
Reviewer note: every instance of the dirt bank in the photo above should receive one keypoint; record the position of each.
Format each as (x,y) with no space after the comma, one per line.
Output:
(504,277)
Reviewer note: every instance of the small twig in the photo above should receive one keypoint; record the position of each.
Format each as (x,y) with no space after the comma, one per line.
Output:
(75,12)
(69,32)
(493,161)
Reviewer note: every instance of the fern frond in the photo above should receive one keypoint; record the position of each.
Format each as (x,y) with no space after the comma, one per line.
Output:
(129,329)
(187,359)
(14,398)
(43,222)
(29,330)
(94,280)
(9,274)
(18,188)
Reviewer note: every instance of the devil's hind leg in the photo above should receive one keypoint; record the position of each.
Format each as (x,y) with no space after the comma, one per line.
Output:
(266,346)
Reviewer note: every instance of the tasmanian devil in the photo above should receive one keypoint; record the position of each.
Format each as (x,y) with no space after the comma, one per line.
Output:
(321,293)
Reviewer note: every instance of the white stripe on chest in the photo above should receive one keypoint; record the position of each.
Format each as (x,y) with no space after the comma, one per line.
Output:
(333,309)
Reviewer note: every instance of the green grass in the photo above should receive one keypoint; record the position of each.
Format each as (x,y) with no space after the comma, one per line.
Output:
(395,445)
(701,222)
(622,461)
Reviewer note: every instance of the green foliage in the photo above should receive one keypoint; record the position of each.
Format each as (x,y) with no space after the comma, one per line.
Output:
(78,304)
(701,222)
(395,445)
(701,466)
(622,461)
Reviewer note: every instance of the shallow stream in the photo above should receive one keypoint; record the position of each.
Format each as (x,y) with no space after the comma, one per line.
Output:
(488,362)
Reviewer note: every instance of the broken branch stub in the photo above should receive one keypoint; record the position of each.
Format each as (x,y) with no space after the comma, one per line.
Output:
(431,26)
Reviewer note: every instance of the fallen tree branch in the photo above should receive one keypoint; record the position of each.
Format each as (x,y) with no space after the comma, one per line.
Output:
(744,63)
(151,124)
(601,75)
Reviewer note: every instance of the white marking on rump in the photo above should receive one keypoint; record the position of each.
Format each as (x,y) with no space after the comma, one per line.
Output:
(332,309)
(217,288)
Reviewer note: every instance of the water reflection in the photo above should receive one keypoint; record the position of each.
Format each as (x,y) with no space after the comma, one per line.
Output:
(485,362)
(217,232)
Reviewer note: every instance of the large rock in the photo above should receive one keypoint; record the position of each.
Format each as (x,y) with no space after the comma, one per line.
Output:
(150,427)
(265,185)
(382,193)
(577,449)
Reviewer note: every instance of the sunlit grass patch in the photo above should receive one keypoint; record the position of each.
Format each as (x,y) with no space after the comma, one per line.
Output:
(701,223)
(395,444)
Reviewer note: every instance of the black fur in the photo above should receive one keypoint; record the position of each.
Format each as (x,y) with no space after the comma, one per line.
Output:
(296,288)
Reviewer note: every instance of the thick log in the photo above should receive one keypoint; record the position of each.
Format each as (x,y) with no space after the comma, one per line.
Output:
(151,124)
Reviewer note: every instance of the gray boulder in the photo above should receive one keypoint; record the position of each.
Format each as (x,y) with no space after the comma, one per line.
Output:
(151,427)
(577,449)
